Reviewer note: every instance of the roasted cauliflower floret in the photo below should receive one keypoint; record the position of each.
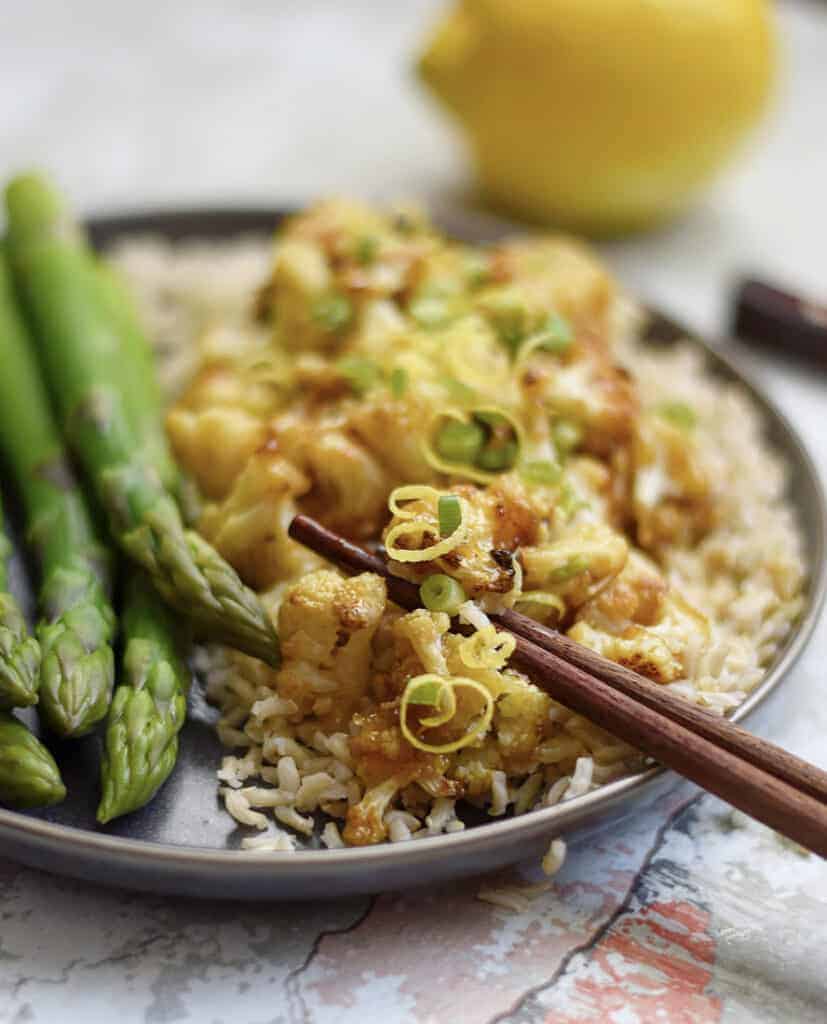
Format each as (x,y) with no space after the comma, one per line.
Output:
(672,499)
(495,522)
(326,626)
(249,527)
(521,722)
(392,431)
(213,446)
(213,431)
(586,557)
(556,273)
(636,595)
(635,647)
(349,489)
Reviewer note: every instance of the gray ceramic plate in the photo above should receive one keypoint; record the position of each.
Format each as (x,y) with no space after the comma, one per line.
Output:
(184,842)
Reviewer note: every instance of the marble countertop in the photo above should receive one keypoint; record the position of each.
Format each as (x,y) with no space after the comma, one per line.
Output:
(682,913)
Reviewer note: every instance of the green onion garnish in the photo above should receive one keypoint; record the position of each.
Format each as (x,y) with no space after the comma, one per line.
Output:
(398,381)
(332,312)
(573,567)
(554,336)
(460,442)
(429,692)
(568,501)
(361,374)
(567,435)
(440,593)
(490,418)
(367,248)
(449,511)
(430,311)
(496,458)
(477,268)
(679,414)
(459,391)
(541,471)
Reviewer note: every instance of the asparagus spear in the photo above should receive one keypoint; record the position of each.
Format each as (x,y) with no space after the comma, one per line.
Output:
(140,392)
(148,709)
(80,350)
(19,652)
(28,773)
(77,623)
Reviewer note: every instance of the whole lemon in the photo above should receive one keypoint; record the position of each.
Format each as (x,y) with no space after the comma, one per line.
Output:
(601,115)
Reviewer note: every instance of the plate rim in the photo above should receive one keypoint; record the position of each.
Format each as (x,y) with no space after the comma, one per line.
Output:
(174,222)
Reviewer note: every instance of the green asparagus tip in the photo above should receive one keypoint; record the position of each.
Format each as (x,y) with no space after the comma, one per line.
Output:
(33,206)
(29,776)
(19,658)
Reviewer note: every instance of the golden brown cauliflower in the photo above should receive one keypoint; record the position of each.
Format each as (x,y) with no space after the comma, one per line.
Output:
(586,557)
(249,527)
(213,432)
(326,625)
(672,500)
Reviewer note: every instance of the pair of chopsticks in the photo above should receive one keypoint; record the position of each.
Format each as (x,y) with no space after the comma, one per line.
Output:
(759,778)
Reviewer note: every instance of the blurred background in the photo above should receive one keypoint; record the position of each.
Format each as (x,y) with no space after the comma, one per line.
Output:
(255,102)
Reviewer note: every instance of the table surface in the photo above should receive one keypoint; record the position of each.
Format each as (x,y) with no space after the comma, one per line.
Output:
(682,914)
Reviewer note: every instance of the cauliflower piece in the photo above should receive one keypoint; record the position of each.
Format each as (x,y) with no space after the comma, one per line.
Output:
(216,426)
(672,499)
(392,431)
(521,722)
(327,625)
(249,528)
(214,445)
(309,314)
(349,489)
(585,558)
(636,595)
(498,519)
(423,631)
(589,389)
(365,822)
(636,647)
(557,273)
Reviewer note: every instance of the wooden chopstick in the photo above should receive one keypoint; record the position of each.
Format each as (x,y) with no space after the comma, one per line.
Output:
(719,730)
(753,775)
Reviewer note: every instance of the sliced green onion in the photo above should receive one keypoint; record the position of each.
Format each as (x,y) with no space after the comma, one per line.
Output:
(679,414)
(509,317)
(361,374)
(541,471)
(554,336)
(490,418)
(458,390)
(575,565)
(567,435)
(430,311)
(441,593)
(568,500)
(367,249)
(398,381)
(460,442)
(477,268)
(449,512)
(496,458)
(332,312)
(428,691)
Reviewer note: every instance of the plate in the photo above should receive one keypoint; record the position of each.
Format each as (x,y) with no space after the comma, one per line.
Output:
(185,843)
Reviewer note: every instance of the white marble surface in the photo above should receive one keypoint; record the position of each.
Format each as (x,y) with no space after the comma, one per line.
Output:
(674,917)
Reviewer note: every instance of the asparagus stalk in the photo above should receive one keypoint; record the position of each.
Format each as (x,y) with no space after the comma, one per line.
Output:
(80,349)
(149,706)
(19,652)
(141,392)
(77,624)
(28,774)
